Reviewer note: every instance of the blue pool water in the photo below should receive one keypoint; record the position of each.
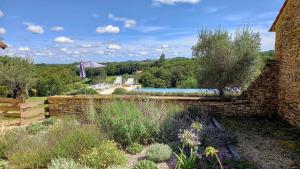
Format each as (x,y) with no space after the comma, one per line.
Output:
(175,90)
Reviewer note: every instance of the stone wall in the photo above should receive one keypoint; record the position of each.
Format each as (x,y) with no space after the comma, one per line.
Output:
(287,30)
(260,99)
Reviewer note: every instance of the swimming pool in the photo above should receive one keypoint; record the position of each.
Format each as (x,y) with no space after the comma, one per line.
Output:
(176,90)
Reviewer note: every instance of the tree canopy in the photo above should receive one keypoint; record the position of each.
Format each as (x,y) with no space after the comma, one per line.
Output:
(226,60)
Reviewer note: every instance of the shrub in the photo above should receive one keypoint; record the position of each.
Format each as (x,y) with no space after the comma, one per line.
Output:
(3,164)
(119,91)
(126,123)
(104,155)
(145,164)
(64,163)
(65,139)
(85,91)
(75,141)
(159,152)
(134,148)
(4,91)
(2,148)
(117,167)
(34,128)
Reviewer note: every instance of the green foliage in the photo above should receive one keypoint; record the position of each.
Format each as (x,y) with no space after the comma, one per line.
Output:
(145,164)
(2,148)
(190,82)
(104,155)
(17,74)
(85,91)
(120,91)
(159,152)
(4,91)
(34,128)
(169,73)
(64,163)
(129,122)
(3,164)
(75,142)
(225,61)
(121,68)
(53,80)
(134,148)
(68,139)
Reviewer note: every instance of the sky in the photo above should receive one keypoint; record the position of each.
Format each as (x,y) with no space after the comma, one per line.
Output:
(67,31)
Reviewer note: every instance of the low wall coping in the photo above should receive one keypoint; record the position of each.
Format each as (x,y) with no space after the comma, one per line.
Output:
(128,97)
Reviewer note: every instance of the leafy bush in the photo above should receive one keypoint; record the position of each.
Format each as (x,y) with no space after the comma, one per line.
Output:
(85,91)
(120,91)
(117,167)
(64,163)
(4,91)
(34,128)
(104,155)
(126,123)
(134,148)
(65,139)
(2,148)
(75,141)
(3,164)
(159,152)
(145,164)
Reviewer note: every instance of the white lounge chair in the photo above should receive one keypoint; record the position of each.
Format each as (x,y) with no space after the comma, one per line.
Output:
(118,80)
(130,81)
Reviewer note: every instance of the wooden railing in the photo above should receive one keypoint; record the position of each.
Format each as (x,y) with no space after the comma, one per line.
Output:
(11,107)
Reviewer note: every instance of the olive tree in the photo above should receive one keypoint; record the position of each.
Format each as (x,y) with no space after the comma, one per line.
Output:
(17,74)
(226,60)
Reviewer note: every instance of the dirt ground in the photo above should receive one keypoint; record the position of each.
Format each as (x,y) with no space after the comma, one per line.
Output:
(269,143)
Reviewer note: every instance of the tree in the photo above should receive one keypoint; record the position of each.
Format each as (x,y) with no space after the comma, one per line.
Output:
(225,61)
(17,74)
(160,61)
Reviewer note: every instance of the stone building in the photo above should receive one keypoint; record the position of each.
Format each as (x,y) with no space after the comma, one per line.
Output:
(287,49)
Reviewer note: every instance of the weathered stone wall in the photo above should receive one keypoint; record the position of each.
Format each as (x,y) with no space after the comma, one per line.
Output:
(259,99)
(287,30)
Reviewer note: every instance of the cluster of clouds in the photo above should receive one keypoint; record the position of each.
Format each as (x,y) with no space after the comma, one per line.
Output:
(173,2)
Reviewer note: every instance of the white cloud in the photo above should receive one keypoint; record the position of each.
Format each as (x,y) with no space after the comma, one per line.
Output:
(24,49)
(64,49)
(1,13)
(63,39)
(108,29)
(172,2)
(100,52)
(164,46)
(57,28)
(86,45)
(113,47)
(128,23)
(143,53)
(35,29)
(2,31)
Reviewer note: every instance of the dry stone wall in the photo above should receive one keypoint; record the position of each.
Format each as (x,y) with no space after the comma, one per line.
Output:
(260,99)
(287,30)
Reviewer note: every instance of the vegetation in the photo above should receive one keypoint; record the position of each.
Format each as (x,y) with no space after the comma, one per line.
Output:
(84,91)
(64,163)
(159,152)
(69,139)
(225,61)
(135,148)
(119,91)
(128,122)
(17,74)
(145,164)
(104,155)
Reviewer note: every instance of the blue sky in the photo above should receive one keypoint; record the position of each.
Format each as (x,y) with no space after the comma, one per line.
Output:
(65,31)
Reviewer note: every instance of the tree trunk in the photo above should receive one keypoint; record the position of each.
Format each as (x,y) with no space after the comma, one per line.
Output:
(221,92)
